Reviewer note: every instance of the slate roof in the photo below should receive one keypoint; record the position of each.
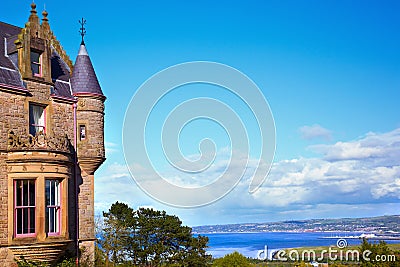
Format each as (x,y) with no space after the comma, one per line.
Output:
(84,79)
(9,73)
(59,69)
(60,74)
(11,77)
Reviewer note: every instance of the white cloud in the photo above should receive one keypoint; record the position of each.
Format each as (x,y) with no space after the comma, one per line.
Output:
(372,146)
(114,171)
(355,178)
(113,184)
(392,189)
(315,132)
(111,148)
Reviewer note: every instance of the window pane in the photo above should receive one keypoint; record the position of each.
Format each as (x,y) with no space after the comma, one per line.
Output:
(41,122)
(25,192)
(47,220)
(47,189)
(31,192)
(35,68)
(19,221)
(52,193)
(36,119)
(18,189)
(32,128)
(32,220)
(25,220)
(51,220)
(35,63)
(56,219)
(82,132)
(35,56)
(57,190)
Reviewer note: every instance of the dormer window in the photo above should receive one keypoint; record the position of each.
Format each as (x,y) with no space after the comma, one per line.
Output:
(37,119)
(36,63)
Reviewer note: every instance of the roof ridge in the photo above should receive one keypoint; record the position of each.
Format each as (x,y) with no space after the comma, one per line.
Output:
(8,24)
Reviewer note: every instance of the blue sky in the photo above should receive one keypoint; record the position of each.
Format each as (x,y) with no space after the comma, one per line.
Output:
(330,71)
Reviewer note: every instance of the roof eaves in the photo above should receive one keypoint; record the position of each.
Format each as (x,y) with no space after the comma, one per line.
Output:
(64,99)
(14,89)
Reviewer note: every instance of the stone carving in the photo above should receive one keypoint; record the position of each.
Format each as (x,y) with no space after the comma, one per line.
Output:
(39,141)
(82,103)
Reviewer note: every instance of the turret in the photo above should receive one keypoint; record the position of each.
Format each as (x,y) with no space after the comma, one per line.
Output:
(89,144)
(90,113)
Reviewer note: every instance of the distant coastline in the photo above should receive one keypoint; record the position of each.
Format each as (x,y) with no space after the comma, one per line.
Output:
(383,225)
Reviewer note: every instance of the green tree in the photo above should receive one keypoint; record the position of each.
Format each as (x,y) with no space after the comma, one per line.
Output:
(195,254)
(234,259)
(116,232)
(374,253)
(162,239)
(148,237)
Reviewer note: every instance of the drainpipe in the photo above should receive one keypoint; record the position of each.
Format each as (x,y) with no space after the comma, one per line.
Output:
(76,185)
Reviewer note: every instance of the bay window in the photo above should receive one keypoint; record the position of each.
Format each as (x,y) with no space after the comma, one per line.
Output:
(37,208)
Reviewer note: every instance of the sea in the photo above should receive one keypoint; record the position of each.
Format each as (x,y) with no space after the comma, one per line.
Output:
(249,244)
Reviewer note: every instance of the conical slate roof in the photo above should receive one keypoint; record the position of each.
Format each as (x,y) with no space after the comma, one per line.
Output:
(84,79)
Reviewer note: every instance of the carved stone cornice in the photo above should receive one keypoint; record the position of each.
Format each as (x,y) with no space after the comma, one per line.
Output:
(41,141)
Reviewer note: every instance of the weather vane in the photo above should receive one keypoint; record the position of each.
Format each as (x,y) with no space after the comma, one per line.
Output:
(82,30)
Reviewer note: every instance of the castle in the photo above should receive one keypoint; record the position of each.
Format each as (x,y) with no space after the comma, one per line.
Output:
(51,144)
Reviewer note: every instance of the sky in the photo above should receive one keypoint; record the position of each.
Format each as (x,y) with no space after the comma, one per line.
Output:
(329,70)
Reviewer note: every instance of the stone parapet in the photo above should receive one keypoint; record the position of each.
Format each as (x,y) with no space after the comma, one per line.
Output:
(41,141)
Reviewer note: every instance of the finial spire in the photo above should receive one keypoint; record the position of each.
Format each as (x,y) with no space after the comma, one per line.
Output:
(45,14)
(82,30)
(33,6)
(34,19)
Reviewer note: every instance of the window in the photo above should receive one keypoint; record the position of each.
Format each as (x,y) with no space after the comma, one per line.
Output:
(35,64)
(37,119)
(24,207)
(53,207)
(82,132)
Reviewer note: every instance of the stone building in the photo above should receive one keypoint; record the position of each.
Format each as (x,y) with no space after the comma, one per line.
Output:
(51,144)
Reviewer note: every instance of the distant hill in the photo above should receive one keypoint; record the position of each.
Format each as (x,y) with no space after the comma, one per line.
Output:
(382,224)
